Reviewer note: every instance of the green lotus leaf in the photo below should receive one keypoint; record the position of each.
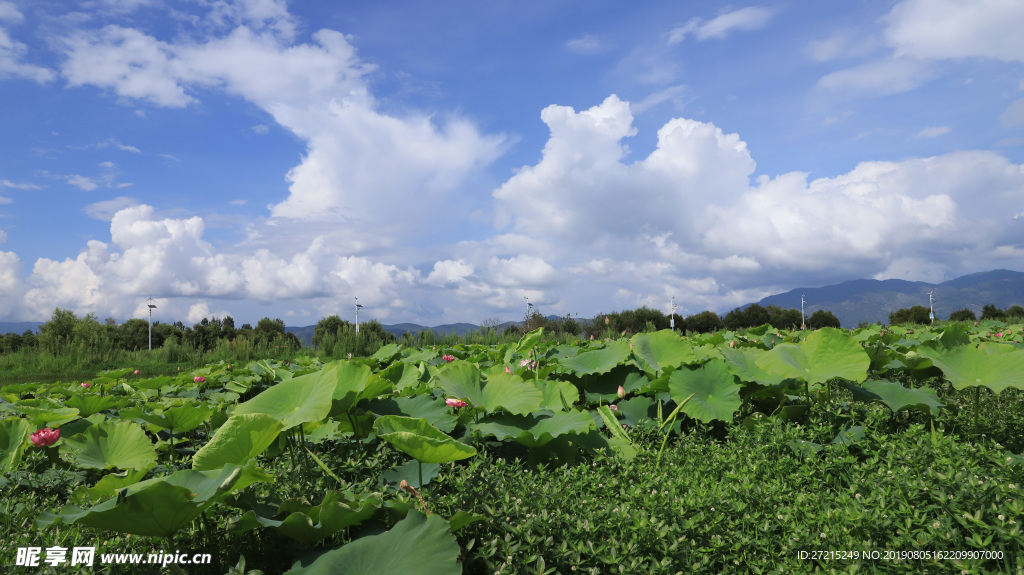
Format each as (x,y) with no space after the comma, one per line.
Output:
(461,380)
(742,362)
(411,472)
(110,484)
(353,382)
(402,375)
(94,403)
(435,411)
(386,353)
(604,388)
(715,392)
(14,435)
(180,419)
(557,394)
(529,341)
(656,351)
(161,506)
(419,439)
(995,366)
(294,401)
(45,412)
(636,409)
(109,444)
(534,430)
(241,438)
(309,524)
(849,436)
(598,360)
(416,545)
(825,354)
(896,397)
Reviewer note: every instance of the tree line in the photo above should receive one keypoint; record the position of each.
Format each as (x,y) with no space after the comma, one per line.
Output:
(921,315)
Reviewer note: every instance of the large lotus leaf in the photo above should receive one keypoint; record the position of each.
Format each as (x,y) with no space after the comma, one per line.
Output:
(715,392)
(534,430)
(242,437)
(598,360)
(352,383)
(161,506)
(435,411)
(110,484)
(742,362)
(180,419)
(656,351)
(294,401)
(638,408)
(14,435)
(416,437)
(995,366)
(896,397)
(310,524)
(45,412)
(416,545)
(825,354)
(461,380)
(122,445)
(557,394)
(94,403)
(411,472)
(604,388)
(386,353)
(402,375)
(509,392)
(529,341)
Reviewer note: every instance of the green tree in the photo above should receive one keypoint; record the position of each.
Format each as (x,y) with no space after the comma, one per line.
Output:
(704,322)
(822,318)
(268,330)
(59,331)
(963,315)
(990,311)
(783,318)
(332,326)
(1015,311)
(917,314)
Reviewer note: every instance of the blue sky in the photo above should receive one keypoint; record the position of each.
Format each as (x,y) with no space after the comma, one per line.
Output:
(443,161)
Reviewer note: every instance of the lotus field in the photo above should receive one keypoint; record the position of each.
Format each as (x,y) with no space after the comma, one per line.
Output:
(765,451)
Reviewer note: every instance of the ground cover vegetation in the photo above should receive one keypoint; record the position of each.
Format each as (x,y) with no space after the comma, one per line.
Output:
(725,452)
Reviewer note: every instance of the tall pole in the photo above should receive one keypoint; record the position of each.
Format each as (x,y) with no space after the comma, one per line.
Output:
(931,308)
(357,314)
(803,322)
(151,306)
(672,319)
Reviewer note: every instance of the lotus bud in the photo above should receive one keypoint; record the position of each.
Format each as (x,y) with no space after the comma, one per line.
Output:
(621,392)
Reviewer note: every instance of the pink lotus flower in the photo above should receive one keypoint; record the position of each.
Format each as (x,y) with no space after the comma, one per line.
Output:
(613,407)
(448,358)
(527,364)
(86,384)
(136,372)
(199,379)
(508,369)
(456,403)
(45,437)
(621,392)
(1000,334)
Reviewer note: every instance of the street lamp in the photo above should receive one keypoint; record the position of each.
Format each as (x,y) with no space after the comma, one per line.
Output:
(931,308)
(357,314)
(803,322)
(150,306)
(672,319)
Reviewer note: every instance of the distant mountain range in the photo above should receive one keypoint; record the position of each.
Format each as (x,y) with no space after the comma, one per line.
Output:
(852,302)
(872,301)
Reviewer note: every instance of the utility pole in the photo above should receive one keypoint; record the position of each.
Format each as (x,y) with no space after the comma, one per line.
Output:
(357,314)
(803,322)
(931,308)
(672,318)
(151,306)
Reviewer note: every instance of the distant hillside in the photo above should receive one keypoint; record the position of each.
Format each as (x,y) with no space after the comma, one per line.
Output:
(872,301)
(19,327)
(305,333)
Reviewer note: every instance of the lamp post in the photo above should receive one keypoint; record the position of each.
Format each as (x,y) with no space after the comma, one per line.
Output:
(803,322)
(150,306)
(931,308)
(357,314)
(672,318)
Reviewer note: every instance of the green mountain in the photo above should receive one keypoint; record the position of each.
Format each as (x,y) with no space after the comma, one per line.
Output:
(872,301)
